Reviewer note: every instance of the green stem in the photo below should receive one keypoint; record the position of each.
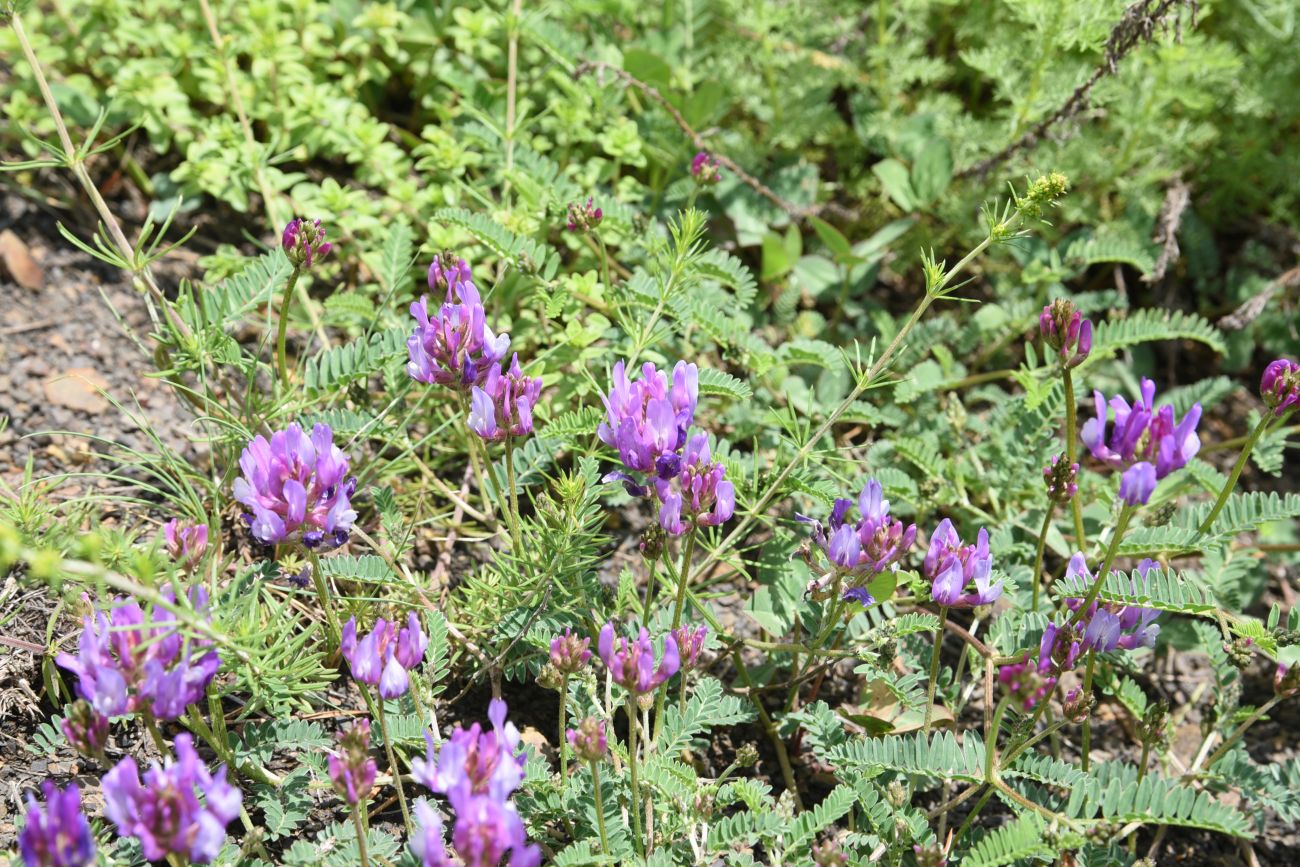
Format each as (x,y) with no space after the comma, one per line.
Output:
(631,764)
(991,748)
(564,757)
(326,602)
(1038,554)
(281,358)
(361,837)
(1236,472)
(1086,747)
(1241,730)
(600,806)
(1125,515)
(152,725)
(934,671)
(377,709)
(975,811)
(650,588)
(514,497)
(683,581)
(1072,451)
(782,757)
(604,264)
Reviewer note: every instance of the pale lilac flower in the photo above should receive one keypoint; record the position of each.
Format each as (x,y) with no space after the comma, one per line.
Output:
(351,769)
(385,655)
(1137,484)
(647,420)
(486,829)
(952,566)
(297,488)
(85,728)
(860,551)
(504,405)
(1066,331)
(185,543)
(632,663)
(427,841)
(56,835)
(304,241)
(128,661)
(453,346)
(690,642)
(589,741)
(569,653)
(165,813)
(705,168)
(699,495)
(481,762)
(1280,386)
(1142,433)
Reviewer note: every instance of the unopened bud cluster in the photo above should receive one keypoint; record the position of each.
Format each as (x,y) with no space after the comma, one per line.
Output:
(1061,478)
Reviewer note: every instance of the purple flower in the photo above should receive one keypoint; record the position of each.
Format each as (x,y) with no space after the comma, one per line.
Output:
(58,835)
(647,420)
(588,740)
(296,488)
(705,168)
(862,550)
(185,542)
(453,347)
(1137,484)
(1280,386)
(1027,682)
(584,218)
(85,728)
(475,762)
(700,490)
(1059,649)
(951,566)
(427,842)
(860,595)
(632,663)
(448,270)
(1066,331)
(304,240)
(385,655)
(128,661)
(504,405)
(1142,433)
(486,829)
(164,812)
(689,644)
(1110,625)
(350,768)
(1286,680)
(569,653)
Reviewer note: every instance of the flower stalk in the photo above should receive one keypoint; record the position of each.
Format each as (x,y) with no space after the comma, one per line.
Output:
(1237,468)
(934,671)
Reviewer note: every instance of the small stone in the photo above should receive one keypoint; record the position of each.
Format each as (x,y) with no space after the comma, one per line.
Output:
(79,389)
(19,263)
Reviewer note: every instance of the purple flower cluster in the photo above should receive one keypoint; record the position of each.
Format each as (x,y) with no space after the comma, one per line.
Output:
(859,552)
(699,495)
(129,661)
(1061,479)
(632,663)
(164,811)
(1280,386)
(351,768)
(690,642)
(185,543)
(1028,682)
(477,771)
(453,347)
(1111,626)
(58,835)
(85,728)
(1145,442)
(504,405)
(705,168)
(385,655)
(304,241)
(584,218)
(1066,331)
(589,741)
(569,653)
(952,567)
(297,489)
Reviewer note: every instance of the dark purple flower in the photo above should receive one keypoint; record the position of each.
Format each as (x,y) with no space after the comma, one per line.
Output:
(1066,331)
(128,661)
(297,488)
(860,595)
(700,495)
(58,835)
(304,241)
(1027,682)
(185,542)
(1060,648)
(589,741)
(351,768)
(860,551)
(385,655)
(690,641)
(705,168)
(952,566)
(1061,480)
(1137,484)
(453,347)
(1280,386)
(569,653)
(1142,433)
(584,218)
(632,663)
(427,842)
(165,813)
(1110,625)
(504,405)
(85,728)
(473,761)
(648,419)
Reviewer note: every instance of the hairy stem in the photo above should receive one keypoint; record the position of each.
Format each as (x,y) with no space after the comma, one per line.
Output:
(1072,450)
(282,330)
(683,580)
(934,671)
(559,744)
(635,809)
(1125,515)
(600,806)
(361,836)
(377,707)
(1086,746)
(782,757)
(326,602)
(1236,472)
(511,482)
(1241,730)
(1038,553)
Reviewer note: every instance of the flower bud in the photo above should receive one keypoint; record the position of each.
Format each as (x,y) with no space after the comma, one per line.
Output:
(304,241)
(705,169)
(85,728)
(589,741)
(689,644)
(1239,651)
(652,542)
(1061,478)
(747,756)
(932,855)
(1065,330)
(1077,705)
(351,769)
(584,218)
(1026,683)
(1280,386)
(569,653)
(828,854)
(1286,681)
(897,795)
